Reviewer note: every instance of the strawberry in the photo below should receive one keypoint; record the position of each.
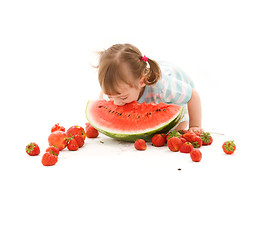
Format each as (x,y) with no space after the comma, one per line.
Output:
(140,144)
(206,138)
(32,149)
(49,159)
(174,144)
(197,141)
(56,127)
(80,140)
(58,139)
(229,147)
(183,140)
(173,133)
(198,133)
(164,136)
(186,147)
(53,150)
(76,130)
(183,131)
(189,136)
(158,140)
(73,145)
(196,155)
(91,132)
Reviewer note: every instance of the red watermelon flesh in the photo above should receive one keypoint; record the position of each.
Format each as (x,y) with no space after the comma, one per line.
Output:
(133,120)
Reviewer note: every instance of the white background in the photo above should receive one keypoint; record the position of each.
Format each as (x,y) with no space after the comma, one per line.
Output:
(109,190)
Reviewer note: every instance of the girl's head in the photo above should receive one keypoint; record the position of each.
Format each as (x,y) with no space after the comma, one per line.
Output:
(123,73)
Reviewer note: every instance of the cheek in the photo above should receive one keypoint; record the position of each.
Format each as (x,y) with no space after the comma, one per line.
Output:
(130,99)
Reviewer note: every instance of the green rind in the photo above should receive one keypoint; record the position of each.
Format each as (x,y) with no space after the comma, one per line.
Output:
(147,136)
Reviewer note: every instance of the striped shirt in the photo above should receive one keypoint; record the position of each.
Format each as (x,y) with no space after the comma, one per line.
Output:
(175,86)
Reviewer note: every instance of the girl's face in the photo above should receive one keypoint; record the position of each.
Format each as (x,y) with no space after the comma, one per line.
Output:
(128,94)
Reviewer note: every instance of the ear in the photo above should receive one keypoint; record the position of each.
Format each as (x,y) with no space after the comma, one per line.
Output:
(143,81)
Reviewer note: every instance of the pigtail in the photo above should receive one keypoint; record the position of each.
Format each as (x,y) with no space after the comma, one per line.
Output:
(154,72)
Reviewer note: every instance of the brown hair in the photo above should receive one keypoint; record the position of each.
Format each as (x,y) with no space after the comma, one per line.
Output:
(112,64)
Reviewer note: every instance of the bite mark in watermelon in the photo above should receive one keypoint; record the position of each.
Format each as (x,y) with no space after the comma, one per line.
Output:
(133,120)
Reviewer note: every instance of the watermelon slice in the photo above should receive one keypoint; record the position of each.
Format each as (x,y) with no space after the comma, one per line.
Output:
(133,120)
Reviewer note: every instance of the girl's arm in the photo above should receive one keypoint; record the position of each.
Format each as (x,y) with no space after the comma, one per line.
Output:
(195,112)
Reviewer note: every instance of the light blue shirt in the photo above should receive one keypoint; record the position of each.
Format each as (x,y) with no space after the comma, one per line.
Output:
(175,86)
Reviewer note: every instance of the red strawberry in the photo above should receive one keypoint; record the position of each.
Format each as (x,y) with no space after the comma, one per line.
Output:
(229,147)
(183,131)
(173,133)
(73,145)
(186,147)
(197,141)
(76,130)
(158,140)
(174,144)
(49,159)
(91,132)
(183,140)
(164,136)
(32,149)
(196,155)
(58,139)
(53,150)
(198,133)
(140,144)
(206,138)
(56,127)
(80,140)
(189,136)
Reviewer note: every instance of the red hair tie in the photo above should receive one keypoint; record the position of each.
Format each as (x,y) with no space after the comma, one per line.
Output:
(144,58)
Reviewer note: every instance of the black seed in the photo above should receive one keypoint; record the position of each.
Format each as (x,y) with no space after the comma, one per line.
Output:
(164,109)
(110,111)
(113,111)
(179,169)
(129,115)
(120,114)
(138,116)
(99,106)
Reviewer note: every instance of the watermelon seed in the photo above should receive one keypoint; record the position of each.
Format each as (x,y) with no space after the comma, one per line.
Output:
(129,115)
(99,106)
(113,111)
(138,116)
(110,111)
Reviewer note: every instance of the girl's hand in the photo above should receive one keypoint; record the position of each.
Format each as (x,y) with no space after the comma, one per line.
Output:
(196,129)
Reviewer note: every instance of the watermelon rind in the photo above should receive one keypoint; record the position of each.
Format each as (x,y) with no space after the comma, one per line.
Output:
(132,137)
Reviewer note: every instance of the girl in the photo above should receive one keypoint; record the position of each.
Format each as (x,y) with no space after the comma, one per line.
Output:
(125,76)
